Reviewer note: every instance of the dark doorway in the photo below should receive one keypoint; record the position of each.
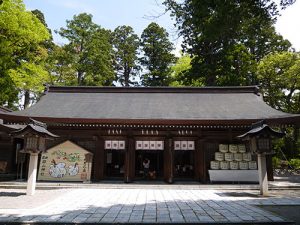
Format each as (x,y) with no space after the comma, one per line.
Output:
(184,164)
(156,164)
(115,161)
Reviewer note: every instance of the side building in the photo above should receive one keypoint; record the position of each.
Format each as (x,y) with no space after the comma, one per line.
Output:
(183,132)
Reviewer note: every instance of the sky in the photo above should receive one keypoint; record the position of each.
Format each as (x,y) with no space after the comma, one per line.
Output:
(138,14)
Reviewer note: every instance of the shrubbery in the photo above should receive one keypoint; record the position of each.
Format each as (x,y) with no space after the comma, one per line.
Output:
(295,164)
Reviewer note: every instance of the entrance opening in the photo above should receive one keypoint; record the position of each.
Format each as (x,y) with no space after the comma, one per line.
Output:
(156,164)
(115,161)
(184,164)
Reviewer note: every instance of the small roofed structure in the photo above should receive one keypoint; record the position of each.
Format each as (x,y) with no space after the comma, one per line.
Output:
(34,135)
(259,128)
(259,138)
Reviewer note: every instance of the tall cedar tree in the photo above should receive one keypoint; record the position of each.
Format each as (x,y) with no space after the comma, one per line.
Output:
(126,45)
(91,51)
(157,57)
(226,39)
(22,53)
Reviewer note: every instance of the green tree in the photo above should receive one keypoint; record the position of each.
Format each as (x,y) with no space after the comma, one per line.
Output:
(48,44)
(227,38)
(91,51)
(180,69)
(22,54)
(157,57)
(126,44)
(279,76)
(61,68)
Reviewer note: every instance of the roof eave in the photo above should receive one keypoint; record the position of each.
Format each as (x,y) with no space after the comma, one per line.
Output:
(289,120)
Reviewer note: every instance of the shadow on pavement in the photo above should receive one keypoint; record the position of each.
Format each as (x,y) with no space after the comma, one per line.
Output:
(11,194)
(290,212)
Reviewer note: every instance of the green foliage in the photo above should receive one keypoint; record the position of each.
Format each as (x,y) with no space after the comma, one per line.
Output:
(126,44)
(226,38)
(89,51)
(180,71)
(279,76)
(276,162)
(61,68)
(295,163)
(157,57)
(21,51)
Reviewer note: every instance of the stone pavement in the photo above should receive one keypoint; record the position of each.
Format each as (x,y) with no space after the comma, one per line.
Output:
(140,205)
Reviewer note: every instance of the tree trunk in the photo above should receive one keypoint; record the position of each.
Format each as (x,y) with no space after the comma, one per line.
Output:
(126,76)
(79,78)
(26,99)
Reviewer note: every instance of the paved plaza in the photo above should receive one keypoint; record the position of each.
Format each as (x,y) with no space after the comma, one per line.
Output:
(139,205)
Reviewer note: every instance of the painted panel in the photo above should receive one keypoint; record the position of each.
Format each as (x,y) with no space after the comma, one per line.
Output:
(146,145)
(176,145)
(159,145)
(191,145)
(152,145)
(107,144)
(122,145)
(65,162)
(115,144)
(184,145)
(139,145)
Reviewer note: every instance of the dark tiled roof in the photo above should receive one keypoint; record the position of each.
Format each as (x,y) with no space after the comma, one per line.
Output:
(4,109)
(228,103)
(35,127)
(260,129)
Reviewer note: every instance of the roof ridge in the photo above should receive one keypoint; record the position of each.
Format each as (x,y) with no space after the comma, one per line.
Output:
(106,89)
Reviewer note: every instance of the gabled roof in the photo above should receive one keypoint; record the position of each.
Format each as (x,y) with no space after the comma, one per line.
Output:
(260,128)
(160,104)
(35,127)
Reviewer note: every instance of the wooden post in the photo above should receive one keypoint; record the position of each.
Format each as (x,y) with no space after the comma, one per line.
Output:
(262,174)
(99,160)
(168,161)
(129,161)
(31,182)
(199,161)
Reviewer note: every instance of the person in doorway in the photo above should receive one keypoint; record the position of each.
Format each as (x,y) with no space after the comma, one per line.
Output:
(146,166)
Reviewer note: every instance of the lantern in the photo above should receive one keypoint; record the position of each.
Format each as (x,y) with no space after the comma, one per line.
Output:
(34,135)
(259,138)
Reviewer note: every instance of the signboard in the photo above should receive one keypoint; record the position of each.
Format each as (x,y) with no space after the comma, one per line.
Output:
(114,144)
(184,145)
(149,145)
(65,162)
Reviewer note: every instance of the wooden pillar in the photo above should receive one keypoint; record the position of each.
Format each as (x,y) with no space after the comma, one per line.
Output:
(99,160)
(32,170)
(168,161)
(199,161)
(129,161)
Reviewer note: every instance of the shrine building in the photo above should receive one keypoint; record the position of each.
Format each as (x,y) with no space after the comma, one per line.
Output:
(105,133)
